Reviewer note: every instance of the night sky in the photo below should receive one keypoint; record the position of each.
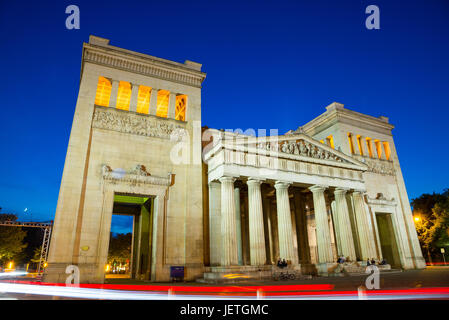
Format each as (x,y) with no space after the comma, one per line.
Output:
(269,64)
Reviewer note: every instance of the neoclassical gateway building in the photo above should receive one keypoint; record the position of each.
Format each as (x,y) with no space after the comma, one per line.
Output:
(213,201)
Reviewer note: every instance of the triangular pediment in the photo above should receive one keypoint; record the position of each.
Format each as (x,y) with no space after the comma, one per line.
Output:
(297,145)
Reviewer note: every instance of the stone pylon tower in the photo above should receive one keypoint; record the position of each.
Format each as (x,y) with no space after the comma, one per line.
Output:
(136,132)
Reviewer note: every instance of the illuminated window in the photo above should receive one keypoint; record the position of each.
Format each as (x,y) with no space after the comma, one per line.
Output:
(143,99)
(378,148)
(162,103)
(351,143)
(103,92)
(359,143)
(370,147)
(387,150)
(123,95)
(180,110)
(330,141)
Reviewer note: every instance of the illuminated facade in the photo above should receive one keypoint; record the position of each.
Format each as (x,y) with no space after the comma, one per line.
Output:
(217,202)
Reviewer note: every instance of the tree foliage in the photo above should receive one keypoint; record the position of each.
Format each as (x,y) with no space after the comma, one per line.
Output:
(11,239)
(37,255)
(119,248)
(433,225)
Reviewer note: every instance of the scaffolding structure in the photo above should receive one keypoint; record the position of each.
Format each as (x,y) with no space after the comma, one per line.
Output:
(46,226)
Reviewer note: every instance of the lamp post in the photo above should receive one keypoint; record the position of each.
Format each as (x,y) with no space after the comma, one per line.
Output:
(442,252)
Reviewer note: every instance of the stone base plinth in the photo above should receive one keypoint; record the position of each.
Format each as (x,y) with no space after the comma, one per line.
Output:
(327,269)
(384,267)
(88,273)
(233,274)
(420,263)
(55,273)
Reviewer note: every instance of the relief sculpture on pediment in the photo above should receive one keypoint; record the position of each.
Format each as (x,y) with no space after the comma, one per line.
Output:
(301,148)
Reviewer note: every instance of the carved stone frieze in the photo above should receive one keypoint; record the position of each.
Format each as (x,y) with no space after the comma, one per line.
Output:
(301,148)
(380,167)
(136,176)
(143,125)
(380,199)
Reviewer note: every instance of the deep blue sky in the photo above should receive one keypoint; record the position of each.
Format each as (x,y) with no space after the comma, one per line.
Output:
(269,64)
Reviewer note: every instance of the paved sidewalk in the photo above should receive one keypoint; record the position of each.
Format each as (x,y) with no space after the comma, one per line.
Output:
(430,277)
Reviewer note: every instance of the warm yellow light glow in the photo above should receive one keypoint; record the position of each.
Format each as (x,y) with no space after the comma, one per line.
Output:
(235,276)
(322,141)
(378,148)
(103,92)
(162,103)
(45,264)
(417,219)
(143,99)
(107,268)
(387,150)
(330,141)
(10,265)
(123,95)
(181,105)
(359,143)
(370,147)
(351,143)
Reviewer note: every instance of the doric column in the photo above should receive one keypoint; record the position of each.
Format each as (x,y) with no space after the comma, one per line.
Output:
(215,223)
(336,224)
(267,228)
(383,155)
(153,101)
(238,225)
(343,224)
(134,95)
(286,248)
(370,146)
(365,231)
(171,105)
(256,227)
(323,236)
(301,228)
(114,93)
(361,140)
(228,234)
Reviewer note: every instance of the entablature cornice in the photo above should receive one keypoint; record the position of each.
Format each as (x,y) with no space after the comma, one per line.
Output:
(127,61)
(349,117)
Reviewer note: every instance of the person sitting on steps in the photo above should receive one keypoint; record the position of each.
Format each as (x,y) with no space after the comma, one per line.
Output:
(281,263)
(284,263)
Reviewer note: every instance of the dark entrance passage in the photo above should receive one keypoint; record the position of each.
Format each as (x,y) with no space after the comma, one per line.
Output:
(387,239)
(120,246)
(141,209)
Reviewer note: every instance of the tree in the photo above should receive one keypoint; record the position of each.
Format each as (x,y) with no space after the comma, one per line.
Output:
(433,223)
(37,255)
(119,248)
(11,239)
